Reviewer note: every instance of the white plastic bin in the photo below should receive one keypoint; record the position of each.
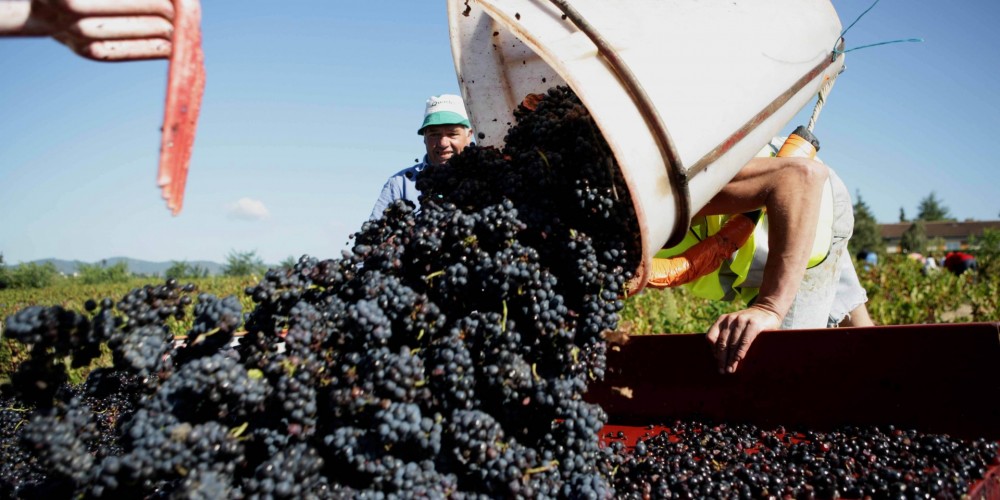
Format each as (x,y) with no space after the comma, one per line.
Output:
(718,78)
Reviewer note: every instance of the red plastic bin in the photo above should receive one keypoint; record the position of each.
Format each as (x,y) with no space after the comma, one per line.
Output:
(942,379)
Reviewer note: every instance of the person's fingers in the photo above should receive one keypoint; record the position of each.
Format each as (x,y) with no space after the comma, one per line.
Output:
(720,337)
(123,50)
(119,28)
(86,8)
(738,350)
(713,333)
(738,331)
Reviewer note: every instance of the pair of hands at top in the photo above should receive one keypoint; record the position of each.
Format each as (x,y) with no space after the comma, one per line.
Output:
(102,30)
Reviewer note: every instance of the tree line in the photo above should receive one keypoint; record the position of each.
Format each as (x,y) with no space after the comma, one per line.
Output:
(867,236)
(41,275)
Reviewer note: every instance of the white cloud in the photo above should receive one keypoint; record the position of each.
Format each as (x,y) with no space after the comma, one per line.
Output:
(248,209)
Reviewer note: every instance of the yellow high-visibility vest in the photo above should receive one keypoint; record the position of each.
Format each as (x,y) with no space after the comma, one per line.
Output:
(729,281)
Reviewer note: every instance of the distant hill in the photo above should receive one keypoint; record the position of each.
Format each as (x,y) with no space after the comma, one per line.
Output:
(135,266)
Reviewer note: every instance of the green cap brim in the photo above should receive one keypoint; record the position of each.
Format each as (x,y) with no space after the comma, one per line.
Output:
(444,118)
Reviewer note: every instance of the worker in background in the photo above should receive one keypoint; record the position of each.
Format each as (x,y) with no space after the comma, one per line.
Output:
(446,131)
(959,262)
(868,259)
(790,278)
(102,30)
(930,265)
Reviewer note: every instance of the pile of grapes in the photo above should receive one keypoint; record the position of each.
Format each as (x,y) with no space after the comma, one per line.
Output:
(692,459)
(445,355)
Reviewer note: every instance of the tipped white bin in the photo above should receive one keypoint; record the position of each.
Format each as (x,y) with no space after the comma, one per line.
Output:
(684,91)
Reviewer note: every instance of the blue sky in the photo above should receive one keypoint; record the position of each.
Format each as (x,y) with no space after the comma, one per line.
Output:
(309,108)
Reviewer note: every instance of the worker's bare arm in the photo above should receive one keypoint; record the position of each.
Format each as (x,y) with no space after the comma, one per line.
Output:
(791,191)
(102,30)
(859,317)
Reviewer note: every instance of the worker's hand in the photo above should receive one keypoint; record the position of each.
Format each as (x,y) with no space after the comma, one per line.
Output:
(102,30)
(732,334)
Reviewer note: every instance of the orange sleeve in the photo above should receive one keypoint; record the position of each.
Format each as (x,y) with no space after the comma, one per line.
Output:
(702,258)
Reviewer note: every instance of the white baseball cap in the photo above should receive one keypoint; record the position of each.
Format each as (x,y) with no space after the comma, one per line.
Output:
(446,109)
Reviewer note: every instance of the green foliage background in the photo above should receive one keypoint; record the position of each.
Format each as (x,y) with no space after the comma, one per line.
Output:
(866,232)
(899,293)
(245,263)
(96,274)
(30,275)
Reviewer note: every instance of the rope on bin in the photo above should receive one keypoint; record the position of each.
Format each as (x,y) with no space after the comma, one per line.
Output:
(842,33)
(838,50)
(824,91)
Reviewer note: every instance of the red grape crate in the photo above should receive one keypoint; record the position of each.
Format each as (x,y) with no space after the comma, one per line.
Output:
(918,390)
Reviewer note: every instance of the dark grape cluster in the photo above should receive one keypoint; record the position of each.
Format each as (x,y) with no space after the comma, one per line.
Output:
(694,459)
(19,467)
(445,355)
(52,333)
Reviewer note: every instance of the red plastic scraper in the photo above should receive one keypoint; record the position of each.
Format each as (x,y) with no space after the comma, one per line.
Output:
(185,86)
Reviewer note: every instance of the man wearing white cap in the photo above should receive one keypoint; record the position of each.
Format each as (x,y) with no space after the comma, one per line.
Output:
(446,131)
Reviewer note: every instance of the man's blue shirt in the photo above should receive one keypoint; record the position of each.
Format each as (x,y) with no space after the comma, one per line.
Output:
(401,186)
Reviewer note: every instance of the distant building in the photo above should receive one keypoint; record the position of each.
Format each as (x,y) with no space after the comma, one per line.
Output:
(955,235)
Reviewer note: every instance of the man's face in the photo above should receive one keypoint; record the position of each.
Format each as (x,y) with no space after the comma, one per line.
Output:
(445,141)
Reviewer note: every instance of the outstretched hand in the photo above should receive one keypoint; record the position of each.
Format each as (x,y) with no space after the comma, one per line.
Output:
(732,334)
(102,30)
